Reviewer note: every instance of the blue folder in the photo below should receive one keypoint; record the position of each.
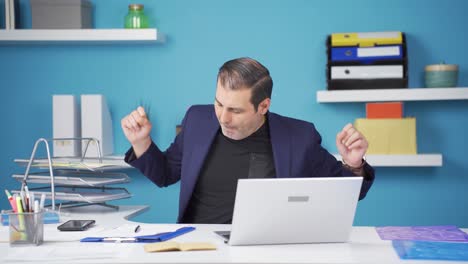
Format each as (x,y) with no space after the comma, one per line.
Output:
(430,250)
(366,55)
(141,239)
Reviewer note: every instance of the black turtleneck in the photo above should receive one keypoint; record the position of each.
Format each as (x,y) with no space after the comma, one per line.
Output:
(213,198)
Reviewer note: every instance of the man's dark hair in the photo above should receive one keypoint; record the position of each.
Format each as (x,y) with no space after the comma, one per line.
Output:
(247,73)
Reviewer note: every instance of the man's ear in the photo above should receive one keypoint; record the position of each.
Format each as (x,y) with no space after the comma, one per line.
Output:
(264,106)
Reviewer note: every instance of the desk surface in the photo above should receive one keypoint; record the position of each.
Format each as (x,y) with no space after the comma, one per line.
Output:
(59,247)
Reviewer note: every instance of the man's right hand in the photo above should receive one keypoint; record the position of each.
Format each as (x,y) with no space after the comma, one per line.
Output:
(137,128)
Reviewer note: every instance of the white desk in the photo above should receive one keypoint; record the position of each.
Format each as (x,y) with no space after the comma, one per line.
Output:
(63,247)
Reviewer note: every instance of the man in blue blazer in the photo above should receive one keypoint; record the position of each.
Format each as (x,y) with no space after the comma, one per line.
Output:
(238,138)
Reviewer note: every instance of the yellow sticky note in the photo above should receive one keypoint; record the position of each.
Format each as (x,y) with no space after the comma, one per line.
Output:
(389,135)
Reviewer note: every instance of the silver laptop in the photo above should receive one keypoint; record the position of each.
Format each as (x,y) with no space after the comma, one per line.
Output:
(293,210)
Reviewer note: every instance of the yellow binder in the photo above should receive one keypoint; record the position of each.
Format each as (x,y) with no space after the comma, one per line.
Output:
(389,135)
(366,39)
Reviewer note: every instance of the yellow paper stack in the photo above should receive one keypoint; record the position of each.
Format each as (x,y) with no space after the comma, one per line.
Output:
(388,135)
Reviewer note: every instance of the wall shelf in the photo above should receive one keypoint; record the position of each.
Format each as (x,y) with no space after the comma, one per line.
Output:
(72,36)
(418,160)
(385,95)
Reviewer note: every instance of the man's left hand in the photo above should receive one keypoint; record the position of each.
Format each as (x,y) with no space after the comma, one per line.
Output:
(352,146)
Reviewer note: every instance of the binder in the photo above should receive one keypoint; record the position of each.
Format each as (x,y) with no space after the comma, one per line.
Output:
(7,15)
(14,15)
(359,84)
(66,123)
(96,122)
(366,72)
(366,39)
(366,55)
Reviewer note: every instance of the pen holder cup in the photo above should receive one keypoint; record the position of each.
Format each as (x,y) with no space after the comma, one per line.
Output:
(26,229)
(48,217)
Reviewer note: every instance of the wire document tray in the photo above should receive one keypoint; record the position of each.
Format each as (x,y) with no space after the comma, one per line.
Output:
(74,178)
(92,164)
(82,194)
(80,180)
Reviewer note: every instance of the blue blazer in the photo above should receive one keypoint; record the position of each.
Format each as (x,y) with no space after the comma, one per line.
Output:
(296,145)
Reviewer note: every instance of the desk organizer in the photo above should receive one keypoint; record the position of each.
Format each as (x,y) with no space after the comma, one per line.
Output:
(49,217)
(370,60)
(74,181)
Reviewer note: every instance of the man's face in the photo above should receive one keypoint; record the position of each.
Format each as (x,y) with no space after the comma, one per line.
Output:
(236,114)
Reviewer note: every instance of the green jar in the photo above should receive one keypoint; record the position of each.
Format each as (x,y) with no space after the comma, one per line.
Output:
(441,75)
(136,17)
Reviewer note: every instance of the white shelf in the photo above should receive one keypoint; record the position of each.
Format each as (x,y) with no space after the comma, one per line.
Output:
(385,95)
(35,36)
(419,160)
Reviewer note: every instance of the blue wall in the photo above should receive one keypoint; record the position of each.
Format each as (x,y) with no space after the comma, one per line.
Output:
(286,36)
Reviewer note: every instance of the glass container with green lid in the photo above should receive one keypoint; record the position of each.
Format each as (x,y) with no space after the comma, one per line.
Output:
(136,17)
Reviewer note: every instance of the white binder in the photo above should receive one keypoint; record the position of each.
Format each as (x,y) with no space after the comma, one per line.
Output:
(7,15)
(367,72)
(96,122)
(66,124)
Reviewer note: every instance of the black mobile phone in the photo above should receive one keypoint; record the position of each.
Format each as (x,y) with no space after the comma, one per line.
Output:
(75,225)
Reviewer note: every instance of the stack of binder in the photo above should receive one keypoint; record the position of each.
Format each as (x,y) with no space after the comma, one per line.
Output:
(374,60)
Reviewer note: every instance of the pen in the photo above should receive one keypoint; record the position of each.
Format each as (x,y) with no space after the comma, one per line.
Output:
(27,199)
(137,229)
(10,199)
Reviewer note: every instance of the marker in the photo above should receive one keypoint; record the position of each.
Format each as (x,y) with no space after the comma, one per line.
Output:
(10,199)
(36,206)
(20,218)
(19,206)
(41,203)
(31,202)
(22,201)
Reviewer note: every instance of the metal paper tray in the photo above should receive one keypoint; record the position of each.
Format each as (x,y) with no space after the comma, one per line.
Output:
(75,163)
(73,178)
(82,194)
